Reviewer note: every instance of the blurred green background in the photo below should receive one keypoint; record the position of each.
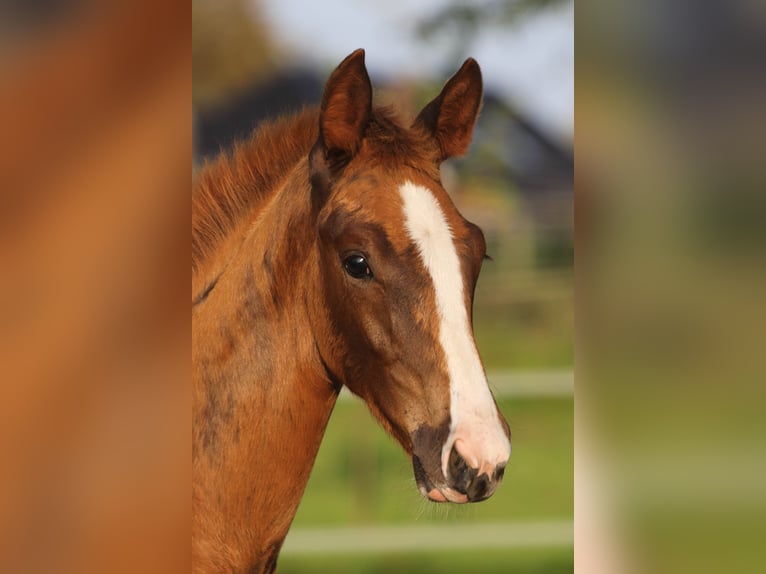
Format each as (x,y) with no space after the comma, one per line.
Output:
(671,212)
(363,479)
(361,511)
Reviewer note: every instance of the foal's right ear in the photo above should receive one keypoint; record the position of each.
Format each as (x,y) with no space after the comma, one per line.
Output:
(343,117)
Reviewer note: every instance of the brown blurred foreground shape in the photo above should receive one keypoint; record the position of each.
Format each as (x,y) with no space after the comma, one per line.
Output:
(94,168)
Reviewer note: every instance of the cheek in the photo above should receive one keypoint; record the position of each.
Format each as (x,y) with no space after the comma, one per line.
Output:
(361,318)
(376,325)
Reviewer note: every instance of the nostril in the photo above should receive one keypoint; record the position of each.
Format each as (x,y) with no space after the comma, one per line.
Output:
(460,473)
(479,487)
(476,483)
(457,464)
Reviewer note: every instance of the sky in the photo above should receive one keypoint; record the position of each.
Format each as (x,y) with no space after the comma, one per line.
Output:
(530,64)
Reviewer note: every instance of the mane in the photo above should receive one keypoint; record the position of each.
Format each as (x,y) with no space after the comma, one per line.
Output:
(235,183)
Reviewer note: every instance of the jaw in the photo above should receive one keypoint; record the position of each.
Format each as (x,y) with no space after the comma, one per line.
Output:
(389,425)
(449,464)
(424,446)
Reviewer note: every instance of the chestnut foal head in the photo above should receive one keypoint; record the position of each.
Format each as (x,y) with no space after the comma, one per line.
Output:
(325,252)
(392,313)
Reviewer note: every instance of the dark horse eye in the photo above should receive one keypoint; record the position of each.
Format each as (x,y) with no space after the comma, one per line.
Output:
(356,266)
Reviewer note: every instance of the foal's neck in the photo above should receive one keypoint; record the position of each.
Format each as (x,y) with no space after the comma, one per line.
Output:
(261,396)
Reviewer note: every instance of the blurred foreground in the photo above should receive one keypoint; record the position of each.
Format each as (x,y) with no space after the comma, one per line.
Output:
(671,282)
(94,168)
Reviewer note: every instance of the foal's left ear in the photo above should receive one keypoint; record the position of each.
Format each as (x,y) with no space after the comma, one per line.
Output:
(450,116)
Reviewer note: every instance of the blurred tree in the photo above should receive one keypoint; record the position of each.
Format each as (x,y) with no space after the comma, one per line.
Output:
(463,20)
(231,47)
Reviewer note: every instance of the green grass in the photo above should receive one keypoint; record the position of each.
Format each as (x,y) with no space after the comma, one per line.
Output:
(537,561)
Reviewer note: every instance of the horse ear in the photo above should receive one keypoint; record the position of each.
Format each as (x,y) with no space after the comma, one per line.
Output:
(346,107)
(450,117)
(343,116)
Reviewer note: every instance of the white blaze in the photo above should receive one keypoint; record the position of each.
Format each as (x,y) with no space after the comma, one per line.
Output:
(473,414)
